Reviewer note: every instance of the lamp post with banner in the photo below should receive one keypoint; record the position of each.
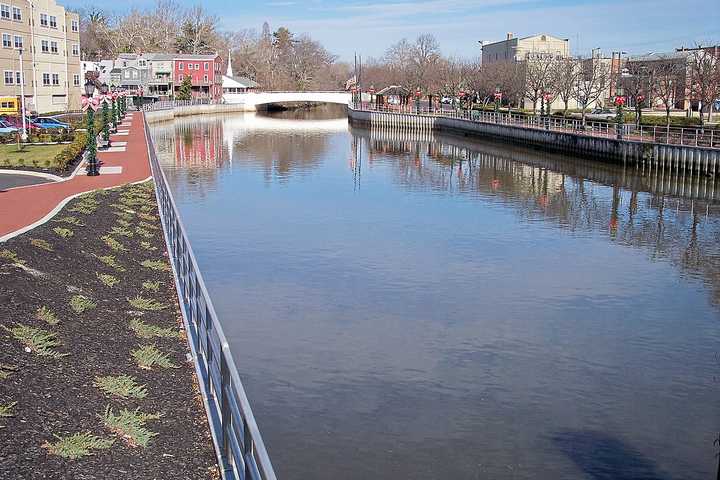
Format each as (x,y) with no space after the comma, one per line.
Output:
(90,104)
(371,91)
(498,98)
(105,99)
(547,96)
(620,117)
(418,94)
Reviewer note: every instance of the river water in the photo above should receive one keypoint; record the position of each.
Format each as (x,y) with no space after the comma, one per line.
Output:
(421,306)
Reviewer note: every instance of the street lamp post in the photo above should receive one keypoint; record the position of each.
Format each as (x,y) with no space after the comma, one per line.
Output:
(105,113)
(548,100)
(114,111)
(24,134)
(418,94)
(498,98)
(620,120)
(92,168)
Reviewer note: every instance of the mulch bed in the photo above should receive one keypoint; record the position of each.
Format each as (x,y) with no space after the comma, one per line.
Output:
(56,397)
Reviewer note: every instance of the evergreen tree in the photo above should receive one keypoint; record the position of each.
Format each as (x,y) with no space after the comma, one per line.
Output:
(185,90)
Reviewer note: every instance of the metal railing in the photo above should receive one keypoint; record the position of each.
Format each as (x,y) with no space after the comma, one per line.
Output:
(691,137)
(239,445)
(170,104)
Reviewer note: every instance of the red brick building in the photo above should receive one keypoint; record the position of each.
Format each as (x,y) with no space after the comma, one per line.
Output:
(205,71)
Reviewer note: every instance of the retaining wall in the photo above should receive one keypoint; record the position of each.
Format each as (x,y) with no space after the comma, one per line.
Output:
(674,157)
(170,113)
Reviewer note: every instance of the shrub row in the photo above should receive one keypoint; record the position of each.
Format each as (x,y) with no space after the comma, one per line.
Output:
(50,137)
(71,152)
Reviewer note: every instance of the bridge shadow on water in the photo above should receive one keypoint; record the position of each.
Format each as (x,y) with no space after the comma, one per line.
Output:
(603,457)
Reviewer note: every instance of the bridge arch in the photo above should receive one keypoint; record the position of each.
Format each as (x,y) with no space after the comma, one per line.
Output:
(254,99)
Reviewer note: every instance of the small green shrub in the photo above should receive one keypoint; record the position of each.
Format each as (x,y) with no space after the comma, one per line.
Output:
(63,232)
(146,304)
(144,330)
(77,445)
(41,244)
(80,303)
(47,316)
(153,286)
(123,386)
(156,265)
(148,356)
(70,220)
(130,425)
(108,280)
(6,410)
(113,244)
(109,260)
(37,340)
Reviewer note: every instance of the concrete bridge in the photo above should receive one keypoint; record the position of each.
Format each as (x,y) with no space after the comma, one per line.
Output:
(254,100)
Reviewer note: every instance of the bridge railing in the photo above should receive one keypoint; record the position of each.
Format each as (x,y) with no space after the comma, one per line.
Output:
(170,104)
(239,445)
(708,137)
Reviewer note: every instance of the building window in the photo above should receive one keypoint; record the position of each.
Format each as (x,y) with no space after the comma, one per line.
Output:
(18,41)
(7,42)
(53,47)
(76,80)
(56,79)
(180,66)
(44,46)
(76,49)
(5,12)
(206,65)
(18,78)
(74,26)
(190,67)
(17,14)
(197,66)
(46,79)
(142,63)
(205,79)
(43,19)
(9,78)
(53,21)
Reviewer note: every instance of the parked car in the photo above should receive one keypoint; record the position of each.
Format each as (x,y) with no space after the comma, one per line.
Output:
(17,123)
(601,114)
(7,128)
(50,123)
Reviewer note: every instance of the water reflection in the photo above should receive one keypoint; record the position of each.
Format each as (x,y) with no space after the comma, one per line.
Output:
(670,217)
(423,306)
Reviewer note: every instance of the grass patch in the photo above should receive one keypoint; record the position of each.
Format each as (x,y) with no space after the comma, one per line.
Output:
(125,216)
(77,445)
(81,303)
(30,155)
(37,340)
(12,256)
(123,386)
(46,315)
(108,280)
(41,244)
(146,304)
(121,231)
(70,220)
(130,425)
(144,330)
(84,209)
(113,244)
(63,232)
(156,265)
(146,208)
(6,410)
(124,223)
(153,286)
(109,260)
(148,356)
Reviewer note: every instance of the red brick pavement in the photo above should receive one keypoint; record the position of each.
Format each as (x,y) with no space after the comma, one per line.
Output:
(23,206)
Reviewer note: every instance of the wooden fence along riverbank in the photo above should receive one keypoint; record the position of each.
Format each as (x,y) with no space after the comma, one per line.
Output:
(667,157)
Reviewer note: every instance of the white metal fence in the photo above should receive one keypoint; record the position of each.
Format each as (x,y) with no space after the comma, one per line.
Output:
(240,448)
(691,137)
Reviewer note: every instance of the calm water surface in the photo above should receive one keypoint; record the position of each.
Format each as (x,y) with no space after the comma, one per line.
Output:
(415,306)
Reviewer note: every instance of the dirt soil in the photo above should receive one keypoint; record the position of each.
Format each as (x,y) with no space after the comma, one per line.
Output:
(55,397)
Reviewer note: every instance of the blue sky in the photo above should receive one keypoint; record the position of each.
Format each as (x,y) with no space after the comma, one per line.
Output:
(344,27)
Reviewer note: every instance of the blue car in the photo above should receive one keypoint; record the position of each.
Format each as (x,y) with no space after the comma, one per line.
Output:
(50,123)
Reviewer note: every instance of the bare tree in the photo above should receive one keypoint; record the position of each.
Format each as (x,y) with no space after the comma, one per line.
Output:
(668,80)
(704,79)
(538,78)
(565,77)
(593,82)
(198,32)
(637,84)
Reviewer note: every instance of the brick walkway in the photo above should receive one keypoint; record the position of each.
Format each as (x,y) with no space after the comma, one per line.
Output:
(23,206)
